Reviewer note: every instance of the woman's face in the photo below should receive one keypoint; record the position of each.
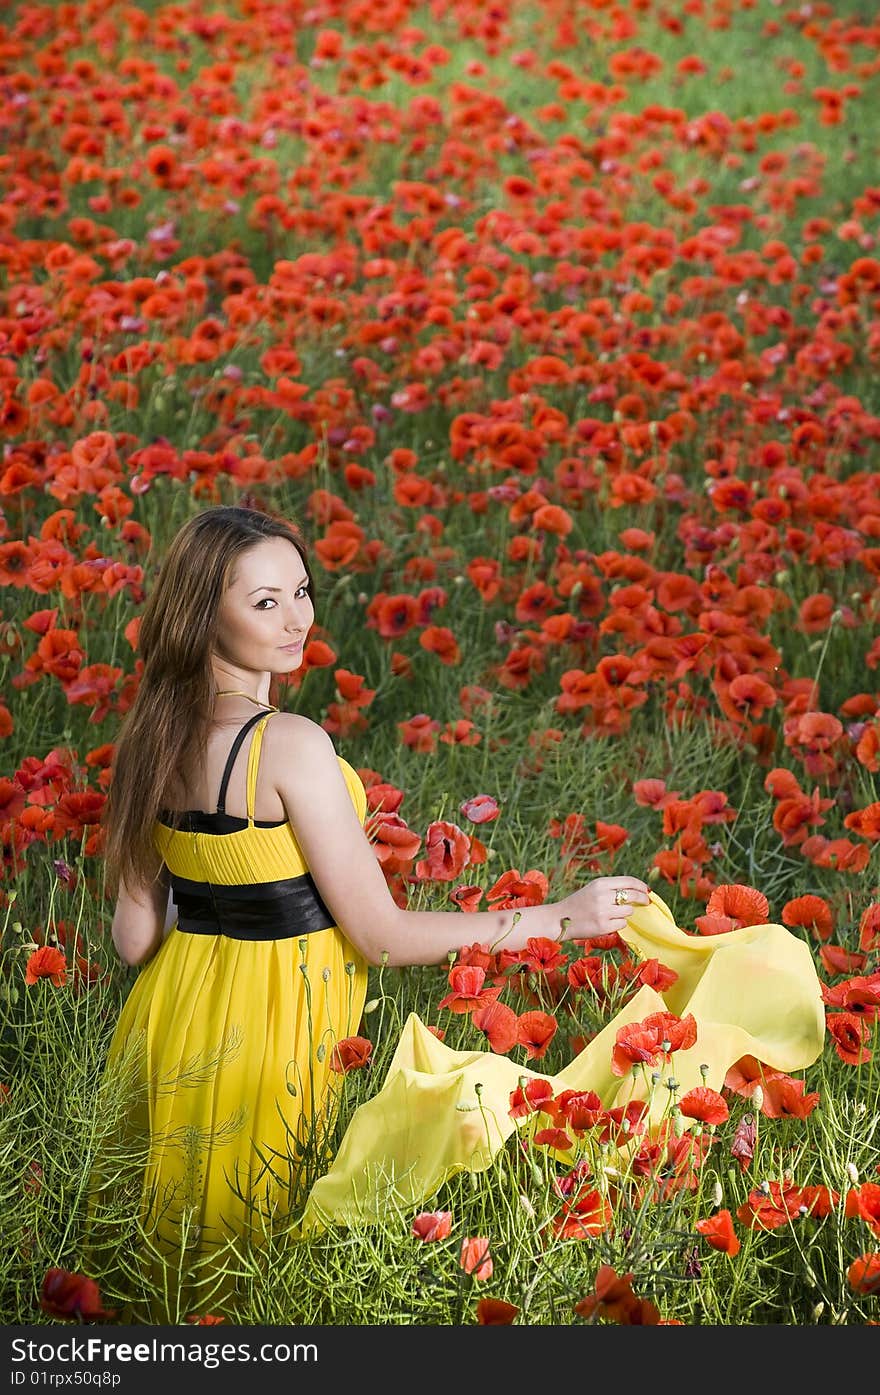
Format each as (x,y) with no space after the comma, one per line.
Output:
(266,611)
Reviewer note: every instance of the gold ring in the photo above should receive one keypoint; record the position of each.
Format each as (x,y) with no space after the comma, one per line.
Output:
(621,896)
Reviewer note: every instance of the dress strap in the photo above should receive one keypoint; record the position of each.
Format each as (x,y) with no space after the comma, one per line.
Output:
(230,762)
(254,762)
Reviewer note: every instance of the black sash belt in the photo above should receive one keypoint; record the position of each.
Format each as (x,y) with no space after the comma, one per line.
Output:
(278,910)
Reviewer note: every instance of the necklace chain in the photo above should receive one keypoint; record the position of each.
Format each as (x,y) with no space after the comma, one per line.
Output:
(237,692)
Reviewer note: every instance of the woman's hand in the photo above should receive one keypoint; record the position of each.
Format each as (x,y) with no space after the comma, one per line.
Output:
(593,911)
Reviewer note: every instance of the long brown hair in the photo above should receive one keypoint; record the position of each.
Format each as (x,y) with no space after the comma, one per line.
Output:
(165,731)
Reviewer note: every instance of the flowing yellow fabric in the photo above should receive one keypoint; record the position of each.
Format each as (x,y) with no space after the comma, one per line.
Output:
(752,991)
(229,1044)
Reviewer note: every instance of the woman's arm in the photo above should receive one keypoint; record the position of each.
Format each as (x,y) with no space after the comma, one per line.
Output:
(347,873)
(141,918)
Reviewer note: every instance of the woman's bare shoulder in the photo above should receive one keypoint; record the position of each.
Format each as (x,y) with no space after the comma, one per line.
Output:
(291,740)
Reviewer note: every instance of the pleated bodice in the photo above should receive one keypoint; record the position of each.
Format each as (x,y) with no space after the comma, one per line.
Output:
(238,876)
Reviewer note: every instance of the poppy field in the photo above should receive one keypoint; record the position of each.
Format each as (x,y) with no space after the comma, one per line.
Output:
(556,327)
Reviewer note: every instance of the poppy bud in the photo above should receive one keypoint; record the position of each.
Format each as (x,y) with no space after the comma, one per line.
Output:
(758,1098)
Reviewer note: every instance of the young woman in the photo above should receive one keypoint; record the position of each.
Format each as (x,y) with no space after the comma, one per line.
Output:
(249,822)
(245,819)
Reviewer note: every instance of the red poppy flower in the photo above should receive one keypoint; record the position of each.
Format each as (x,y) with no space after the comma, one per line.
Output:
(860,994)
(480,955)
(553,1138)
(495,1312)
(812,913)
(352,1053)
(447,850)
(655,975)
(863,1275)
(207,1320)
(650,1041)
(392,616)
(317,654)
(467,898)
(592,971)
(70,1295)
(432,1225)
(350,687)
(47,962)
(540,955)
(864,1202)
(419,732)
(634,1044)
(468,992)
(535,1031)
(440,640)
(837,959)
(589,1215)
(475,1258)
(777,1203)
(480,808)
(746,1074)
(869,928)
(612,1294)
(613,1300)
(581,1110)
(511,891)
(744,905)
(499,1022)
(394,842)
(704,1104)
(784,1098)
(533,1097)
(622,1124)
(849,1032)
(718,1230)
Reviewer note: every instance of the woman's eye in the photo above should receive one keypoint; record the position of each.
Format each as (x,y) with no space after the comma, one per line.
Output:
(300,591)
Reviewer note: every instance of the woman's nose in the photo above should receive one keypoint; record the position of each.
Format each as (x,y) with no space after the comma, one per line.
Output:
(300,615)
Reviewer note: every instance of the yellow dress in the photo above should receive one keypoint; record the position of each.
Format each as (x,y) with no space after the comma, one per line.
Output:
(229,1029)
